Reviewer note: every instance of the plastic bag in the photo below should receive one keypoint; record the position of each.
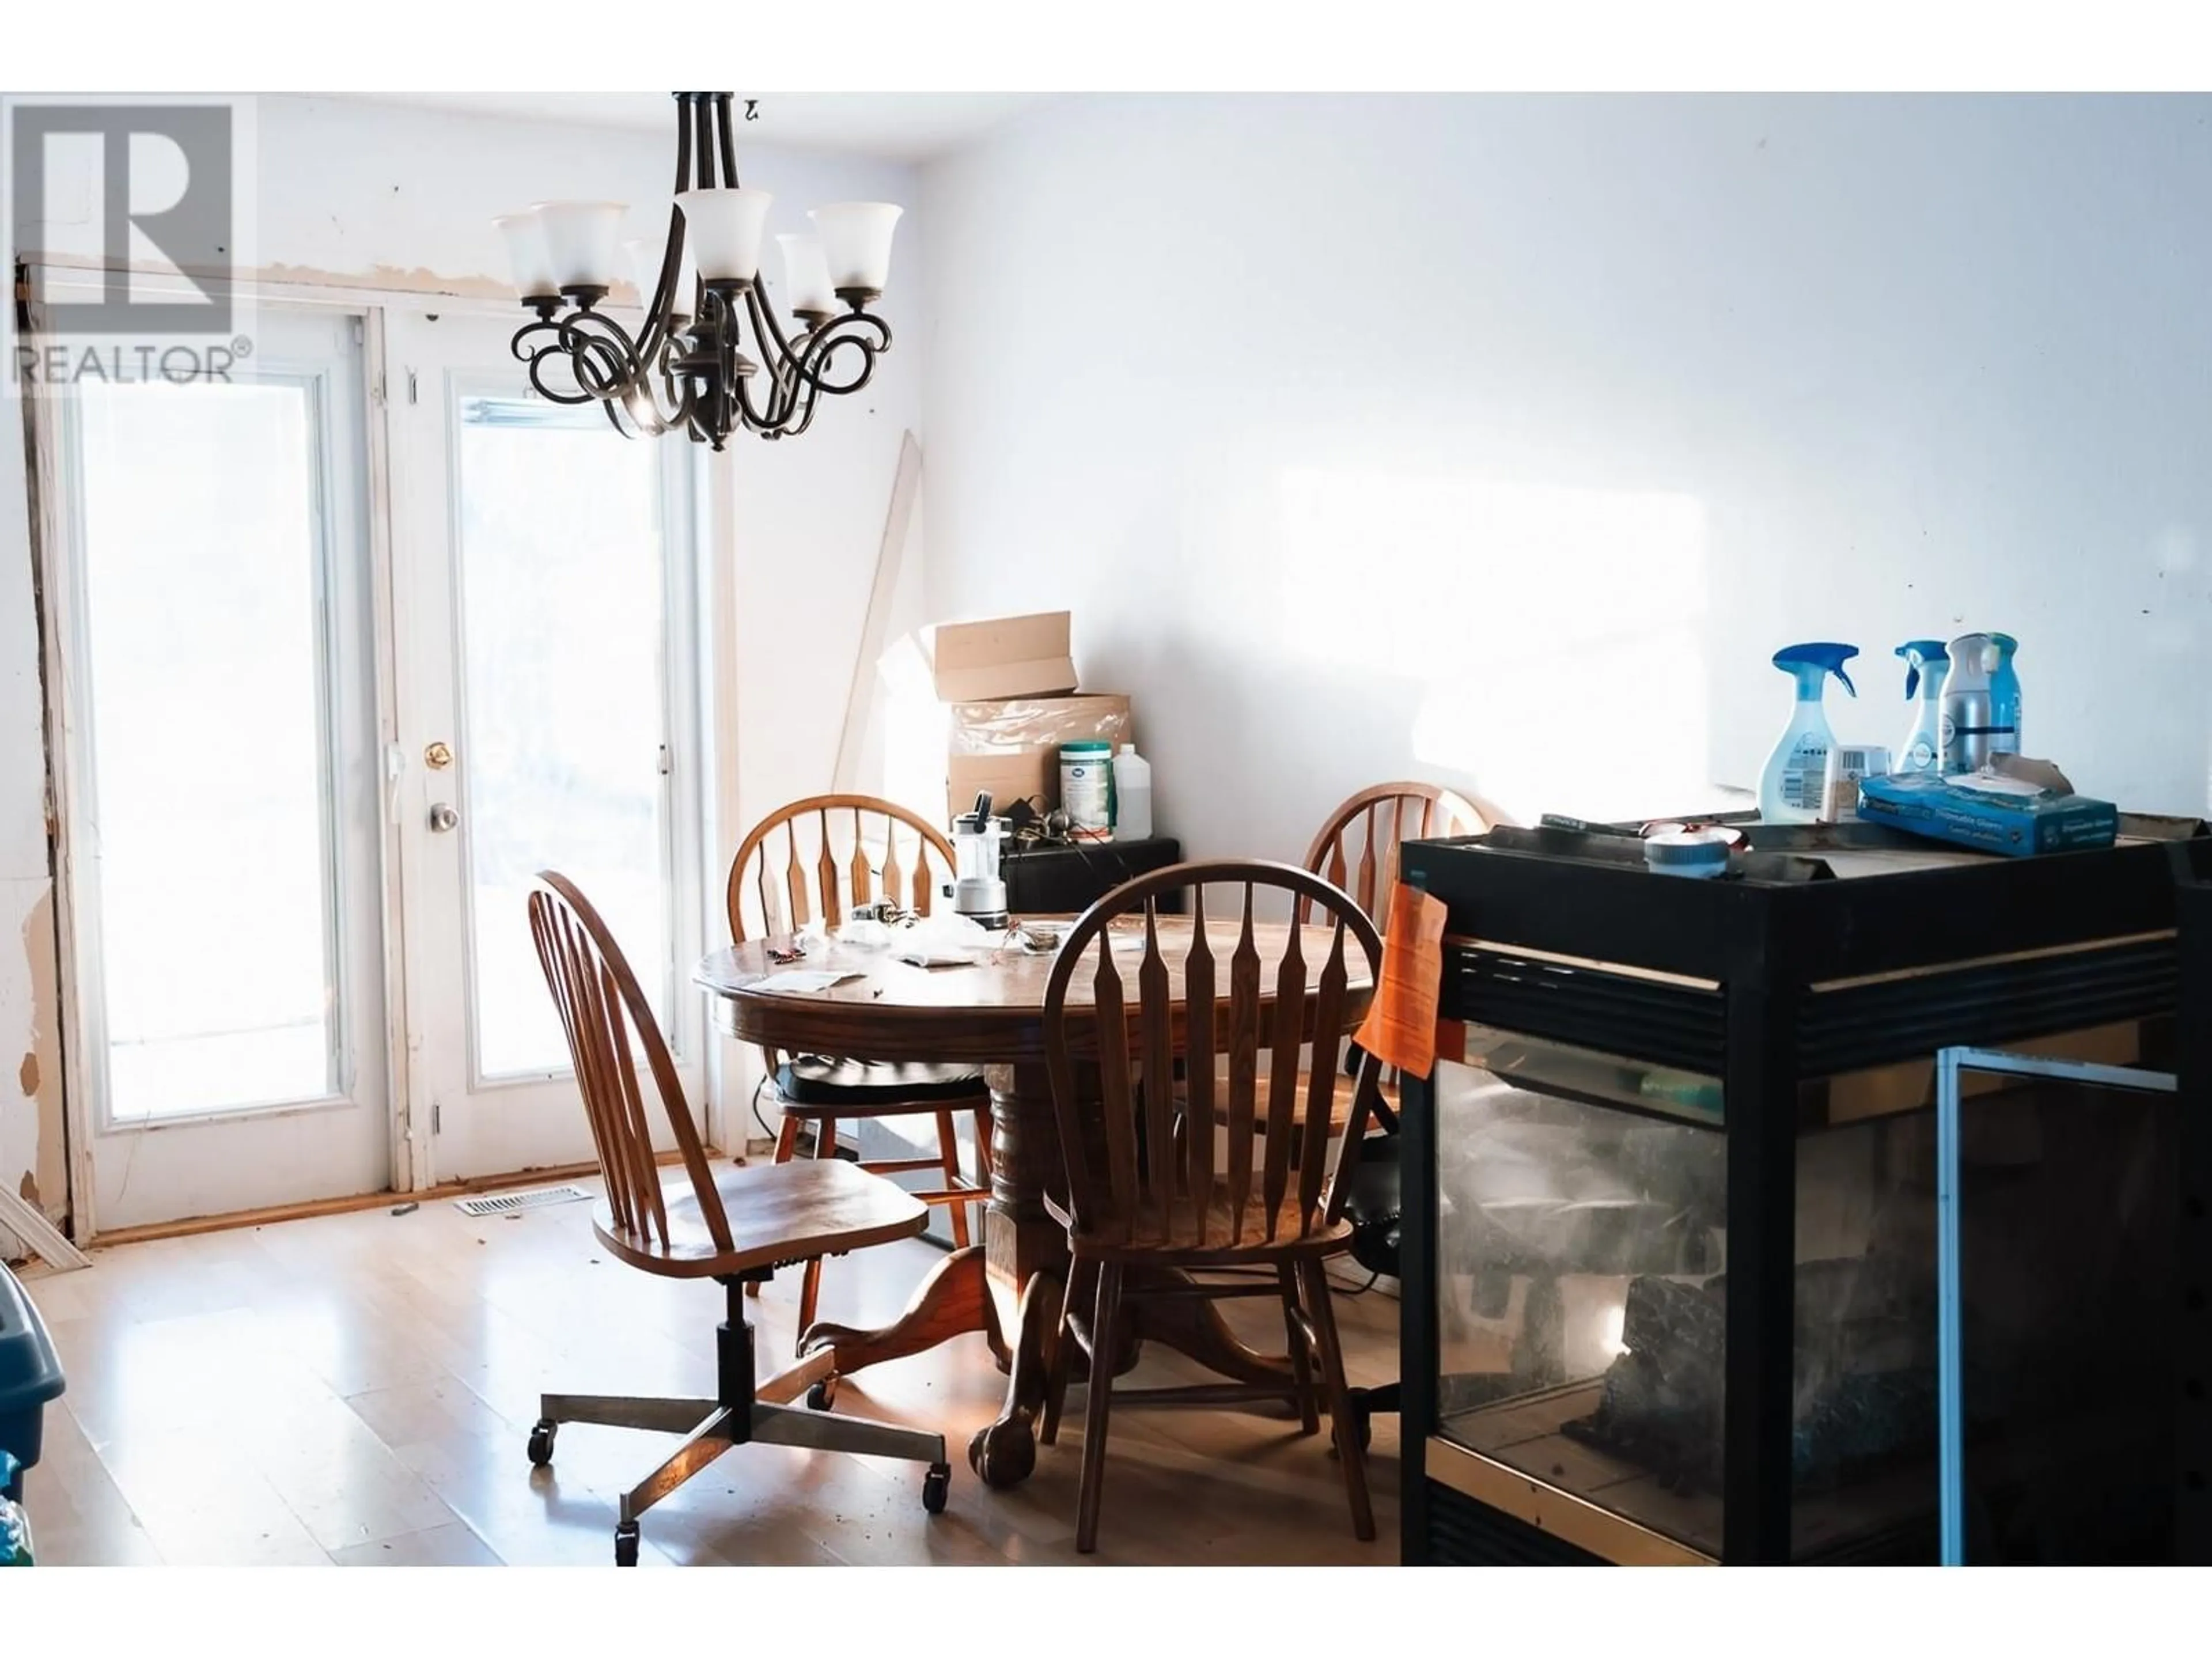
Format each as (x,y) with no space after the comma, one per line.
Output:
(947,939)
(15,1525)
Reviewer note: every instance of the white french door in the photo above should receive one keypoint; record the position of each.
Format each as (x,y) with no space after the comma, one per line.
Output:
(219,776)
(542,576)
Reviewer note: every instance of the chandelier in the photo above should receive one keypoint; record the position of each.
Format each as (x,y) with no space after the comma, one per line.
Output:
(710,357)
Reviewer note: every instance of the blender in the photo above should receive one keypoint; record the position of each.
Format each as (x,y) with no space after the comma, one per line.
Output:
(979,892)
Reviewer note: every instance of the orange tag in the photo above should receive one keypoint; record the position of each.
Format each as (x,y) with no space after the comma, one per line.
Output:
(1401,1027)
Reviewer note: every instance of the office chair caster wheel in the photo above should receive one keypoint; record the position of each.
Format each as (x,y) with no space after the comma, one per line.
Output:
(541,1442)
(937,1487)
(626,1544)
(822,1394)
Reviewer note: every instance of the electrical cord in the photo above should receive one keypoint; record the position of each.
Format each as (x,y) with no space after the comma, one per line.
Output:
(766,1133)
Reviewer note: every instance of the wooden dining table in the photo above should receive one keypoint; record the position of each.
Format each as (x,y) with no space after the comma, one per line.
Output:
(989,1012)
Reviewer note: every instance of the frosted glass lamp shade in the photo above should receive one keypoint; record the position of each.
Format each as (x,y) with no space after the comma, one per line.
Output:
(723,228)
(856,240)
(806,275)
(644,258)
(527,254)
(581,238)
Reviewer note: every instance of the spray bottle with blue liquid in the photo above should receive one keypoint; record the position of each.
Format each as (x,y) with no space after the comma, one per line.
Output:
(1929,664)
(1791,789)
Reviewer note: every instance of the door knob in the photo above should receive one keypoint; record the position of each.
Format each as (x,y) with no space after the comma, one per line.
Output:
(443,818)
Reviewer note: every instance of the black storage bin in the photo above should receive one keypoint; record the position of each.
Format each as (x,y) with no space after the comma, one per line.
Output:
(30,1376)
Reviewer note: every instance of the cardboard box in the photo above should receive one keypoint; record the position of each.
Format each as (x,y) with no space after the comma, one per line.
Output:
(1010,747)
(1005,657)
(2017,816)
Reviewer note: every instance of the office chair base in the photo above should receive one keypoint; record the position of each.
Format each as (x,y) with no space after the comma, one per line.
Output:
(749,1411)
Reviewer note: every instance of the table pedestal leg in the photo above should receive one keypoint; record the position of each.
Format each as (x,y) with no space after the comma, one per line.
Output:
(948,1303)
(1025,1252)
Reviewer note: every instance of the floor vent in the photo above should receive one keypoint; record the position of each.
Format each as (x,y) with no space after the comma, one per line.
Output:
(515,1203)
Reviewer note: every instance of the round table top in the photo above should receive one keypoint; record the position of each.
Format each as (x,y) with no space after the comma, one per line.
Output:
(991,1010)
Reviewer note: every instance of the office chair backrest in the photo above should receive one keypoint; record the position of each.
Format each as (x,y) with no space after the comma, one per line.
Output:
(1150,1176)
(602,1010)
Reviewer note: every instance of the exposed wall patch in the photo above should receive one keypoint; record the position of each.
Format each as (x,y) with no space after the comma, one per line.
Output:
(41,1072)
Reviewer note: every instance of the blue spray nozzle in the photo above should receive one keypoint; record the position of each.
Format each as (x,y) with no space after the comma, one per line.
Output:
(1813,663)
(1920,654)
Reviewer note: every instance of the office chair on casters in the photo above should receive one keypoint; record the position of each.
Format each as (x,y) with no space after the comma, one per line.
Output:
(735,1225)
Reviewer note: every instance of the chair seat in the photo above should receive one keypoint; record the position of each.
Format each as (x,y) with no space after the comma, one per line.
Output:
(1147,1246)
(778,1212)
(814,1084)
(1339,1105)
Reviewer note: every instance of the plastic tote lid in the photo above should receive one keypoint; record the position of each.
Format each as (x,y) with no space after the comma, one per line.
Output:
(30,1373)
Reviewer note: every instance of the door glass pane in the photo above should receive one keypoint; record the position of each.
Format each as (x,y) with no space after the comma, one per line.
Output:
(564,713)
(205,653)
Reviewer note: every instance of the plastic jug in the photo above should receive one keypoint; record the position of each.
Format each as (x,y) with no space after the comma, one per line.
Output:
(1791,789)
(1929,666)
(1132,794)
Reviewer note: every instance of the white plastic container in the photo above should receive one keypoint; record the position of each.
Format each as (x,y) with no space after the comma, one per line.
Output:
(1132,795)
(1848,764)
(1086,788)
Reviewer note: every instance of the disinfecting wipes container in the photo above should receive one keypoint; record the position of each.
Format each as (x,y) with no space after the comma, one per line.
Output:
(1086,784)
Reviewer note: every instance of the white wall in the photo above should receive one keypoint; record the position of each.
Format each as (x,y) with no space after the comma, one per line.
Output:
(363,194)
(1502,440)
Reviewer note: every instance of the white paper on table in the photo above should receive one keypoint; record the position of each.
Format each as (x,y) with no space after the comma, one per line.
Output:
(938,956)
(801,980)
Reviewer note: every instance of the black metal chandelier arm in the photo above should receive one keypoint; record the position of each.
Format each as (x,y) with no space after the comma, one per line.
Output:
(596,354)
(764,419)
(781,359)
(659,310)
(846,335)
(605,360)
(553,348)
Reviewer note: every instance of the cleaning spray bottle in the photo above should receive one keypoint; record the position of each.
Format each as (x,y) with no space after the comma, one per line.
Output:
(2004,698)
(1922,749)
(1789,790)
(1971,731)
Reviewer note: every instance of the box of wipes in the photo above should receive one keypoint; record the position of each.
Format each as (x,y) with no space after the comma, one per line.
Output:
(2017,815)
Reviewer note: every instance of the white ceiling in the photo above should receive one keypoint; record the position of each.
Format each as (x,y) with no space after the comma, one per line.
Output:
(911,126)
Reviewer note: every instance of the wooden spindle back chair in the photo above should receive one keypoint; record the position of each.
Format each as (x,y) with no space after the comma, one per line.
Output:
(1144,1188)
(734,1224)
(1357,849)
(601,1009)
(811,862)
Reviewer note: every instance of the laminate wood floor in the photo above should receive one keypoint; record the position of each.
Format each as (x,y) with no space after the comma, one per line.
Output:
(358,1390)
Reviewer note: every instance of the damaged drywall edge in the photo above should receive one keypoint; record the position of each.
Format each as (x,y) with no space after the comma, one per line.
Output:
(41,1069)
(381,278)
